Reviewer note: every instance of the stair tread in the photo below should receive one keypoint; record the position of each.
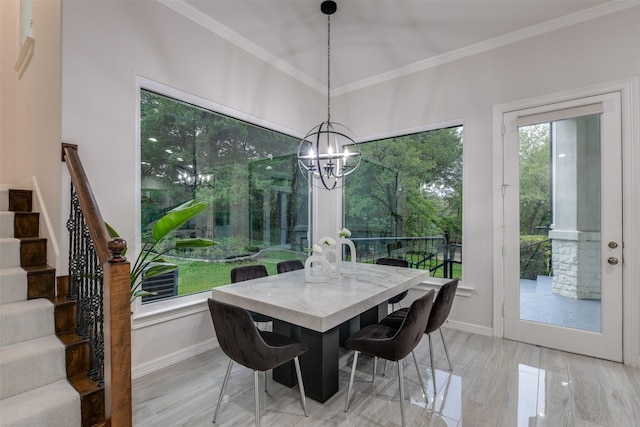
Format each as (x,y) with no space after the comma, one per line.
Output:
(70,338)
(83,384)
(21,365)
(38,268)
(54,404)
(26,320)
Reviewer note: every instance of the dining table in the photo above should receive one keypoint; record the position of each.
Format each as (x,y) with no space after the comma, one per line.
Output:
(321,314)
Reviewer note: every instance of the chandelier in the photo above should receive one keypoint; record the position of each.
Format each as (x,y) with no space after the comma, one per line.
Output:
(195,180)
(329,151)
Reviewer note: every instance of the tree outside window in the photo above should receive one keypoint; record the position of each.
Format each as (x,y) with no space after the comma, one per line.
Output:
(406,201)
(248,175)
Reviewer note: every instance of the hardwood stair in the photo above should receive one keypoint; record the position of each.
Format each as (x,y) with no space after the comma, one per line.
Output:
(42,283)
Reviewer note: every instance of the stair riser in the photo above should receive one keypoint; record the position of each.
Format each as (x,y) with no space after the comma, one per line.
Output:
(20,201)
(41,284)
(33,252)
(77,358)
(26,224)
(92,404)
(65,316)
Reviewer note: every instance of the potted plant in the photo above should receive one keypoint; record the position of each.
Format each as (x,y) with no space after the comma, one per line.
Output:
(150,259)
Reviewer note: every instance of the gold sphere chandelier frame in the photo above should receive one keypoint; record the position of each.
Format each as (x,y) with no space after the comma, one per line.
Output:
(329,151)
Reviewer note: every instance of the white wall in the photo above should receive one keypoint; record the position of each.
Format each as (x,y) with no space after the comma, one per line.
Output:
(585,54)
(107,44)
(30,146)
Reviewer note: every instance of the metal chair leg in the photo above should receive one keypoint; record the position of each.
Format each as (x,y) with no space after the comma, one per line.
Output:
(224,386)
(265,382)
(375,366)
(424,387)
(433,369)
(353,372)
(256,396)
(401,381)
(446,351)
(301,386)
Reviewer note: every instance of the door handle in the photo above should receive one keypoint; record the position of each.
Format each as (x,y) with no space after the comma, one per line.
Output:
(612,260)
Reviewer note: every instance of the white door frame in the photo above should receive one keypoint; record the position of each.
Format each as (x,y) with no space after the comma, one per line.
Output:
(631,204)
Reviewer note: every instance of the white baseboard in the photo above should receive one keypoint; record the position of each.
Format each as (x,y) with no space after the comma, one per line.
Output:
(469,327)
(185,353)
(173,358)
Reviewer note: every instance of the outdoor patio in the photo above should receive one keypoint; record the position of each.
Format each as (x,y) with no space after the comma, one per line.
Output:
(539,304)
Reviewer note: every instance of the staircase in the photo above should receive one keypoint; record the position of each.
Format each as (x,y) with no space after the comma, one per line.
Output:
(43,362)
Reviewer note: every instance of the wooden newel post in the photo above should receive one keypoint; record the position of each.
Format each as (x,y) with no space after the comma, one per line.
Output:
(117,312)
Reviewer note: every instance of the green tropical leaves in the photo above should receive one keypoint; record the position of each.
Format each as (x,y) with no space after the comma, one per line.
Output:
(150,260)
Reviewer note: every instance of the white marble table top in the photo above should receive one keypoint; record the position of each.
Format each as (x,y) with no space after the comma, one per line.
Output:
(320,306)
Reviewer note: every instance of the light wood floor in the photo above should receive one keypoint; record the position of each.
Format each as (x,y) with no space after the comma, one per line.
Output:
(494,382)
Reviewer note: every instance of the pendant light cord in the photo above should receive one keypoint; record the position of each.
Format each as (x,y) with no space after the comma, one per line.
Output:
(328,68)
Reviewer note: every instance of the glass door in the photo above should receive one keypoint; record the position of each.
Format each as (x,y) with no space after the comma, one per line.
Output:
(563,217)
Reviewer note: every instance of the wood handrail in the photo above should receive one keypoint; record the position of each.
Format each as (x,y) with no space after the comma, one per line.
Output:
(116,304)
(93,217)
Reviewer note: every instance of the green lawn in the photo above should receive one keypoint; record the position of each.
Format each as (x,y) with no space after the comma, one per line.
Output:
(197,276)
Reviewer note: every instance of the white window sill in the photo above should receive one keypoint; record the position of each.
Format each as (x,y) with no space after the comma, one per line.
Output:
(437,282)
(145,315)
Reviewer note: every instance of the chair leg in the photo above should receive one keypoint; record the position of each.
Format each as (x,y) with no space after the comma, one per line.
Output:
(446,351)
(375,368)
(301,386)
(224,386)
(265,382)
(353,372)
(433,369)
(384,368)
(256,396)
(401,381)
(424,387)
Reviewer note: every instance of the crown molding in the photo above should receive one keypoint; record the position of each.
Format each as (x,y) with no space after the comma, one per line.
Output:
(494,43)
(231,36)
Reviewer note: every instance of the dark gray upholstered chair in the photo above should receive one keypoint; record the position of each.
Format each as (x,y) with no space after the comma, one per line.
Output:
(393,344)
(289,265)
(248,272)
(439,314)
(396,262)
(258,350)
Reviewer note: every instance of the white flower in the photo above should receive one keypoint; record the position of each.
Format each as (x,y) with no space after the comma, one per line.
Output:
(344,232)
(326,240)
(317,249)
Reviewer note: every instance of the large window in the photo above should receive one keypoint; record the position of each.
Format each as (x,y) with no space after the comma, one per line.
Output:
(257,201)
(405,201)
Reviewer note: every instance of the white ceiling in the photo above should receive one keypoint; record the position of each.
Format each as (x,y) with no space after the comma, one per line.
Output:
(376,40)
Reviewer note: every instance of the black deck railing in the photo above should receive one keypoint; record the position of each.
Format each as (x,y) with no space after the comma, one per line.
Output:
(431,253)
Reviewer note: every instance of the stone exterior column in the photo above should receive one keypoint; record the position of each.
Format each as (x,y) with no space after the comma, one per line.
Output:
(575,233)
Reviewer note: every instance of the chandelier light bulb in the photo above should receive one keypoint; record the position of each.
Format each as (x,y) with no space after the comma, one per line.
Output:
(324,163)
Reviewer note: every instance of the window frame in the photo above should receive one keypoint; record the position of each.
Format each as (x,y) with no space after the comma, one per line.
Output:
(144,315)
(432,282)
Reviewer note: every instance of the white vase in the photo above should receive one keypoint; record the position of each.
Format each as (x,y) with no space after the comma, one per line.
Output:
(333,258)
(348,267)
(316,269)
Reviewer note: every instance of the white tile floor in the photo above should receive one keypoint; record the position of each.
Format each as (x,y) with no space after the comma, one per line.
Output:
(495,382)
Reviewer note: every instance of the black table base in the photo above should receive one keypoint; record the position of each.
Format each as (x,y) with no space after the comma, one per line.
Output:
(319,365)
